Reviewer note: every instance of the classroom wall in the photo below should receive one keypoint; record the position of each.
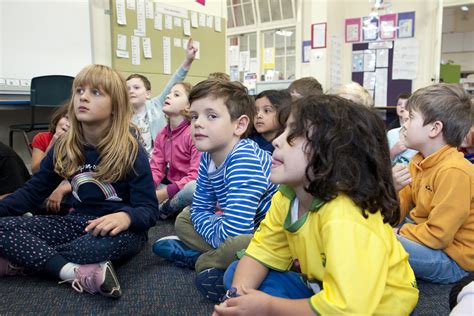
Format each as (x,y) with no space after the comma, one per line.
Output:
(41,37)
(427,32)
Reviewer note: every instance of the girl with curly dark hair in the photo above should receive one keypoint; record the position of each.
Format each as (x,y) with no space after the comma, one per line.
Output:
(332,215)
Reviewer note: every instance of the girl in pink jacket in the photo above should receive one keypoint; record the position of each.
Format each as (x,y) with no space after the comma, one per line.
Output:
(175,160)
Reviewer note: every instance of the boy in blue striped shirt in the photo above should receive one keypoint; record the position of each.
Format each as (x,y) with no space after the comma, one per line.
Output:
(233,188)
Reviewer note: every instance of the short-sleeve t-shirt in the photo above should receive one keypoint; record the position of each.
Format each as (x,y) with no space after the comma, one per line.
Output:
(42,140)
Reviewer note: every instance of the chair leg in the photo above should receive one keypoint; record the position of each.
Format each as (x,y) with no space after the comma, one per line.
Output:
(27,141)
(10,139)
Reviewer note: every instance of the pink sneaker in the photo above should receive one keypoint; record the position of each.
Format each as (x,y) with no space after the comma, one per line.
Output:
(97,278)
(7,268)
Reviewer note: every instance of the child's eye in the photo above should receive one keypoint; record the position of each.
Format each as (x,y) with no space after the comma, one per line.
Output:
(96,92)
(211,116)
(176,94)
(193,116)
(79,90)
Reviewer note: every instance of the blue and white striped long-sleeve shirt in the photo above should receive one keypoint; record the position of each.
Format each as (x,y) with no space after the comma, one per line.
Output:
(232,199)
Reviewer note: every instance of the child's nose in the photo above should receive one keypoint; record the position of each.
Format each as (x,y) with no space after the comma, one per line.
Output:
(84,96)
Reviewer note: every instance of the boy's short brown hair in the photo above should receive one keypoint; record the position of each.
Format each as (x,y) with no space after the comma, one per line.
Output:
(404,96)
(145,80)
(219,75)
(306,86)
(234,95)
(447,103)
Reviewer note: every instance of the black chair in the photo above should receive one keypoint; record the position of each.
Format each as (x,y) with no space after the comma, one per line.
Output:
(46,91)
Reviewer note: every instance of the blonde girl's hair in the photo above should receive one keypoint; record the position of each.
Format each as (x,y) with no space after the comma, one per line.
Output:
(118,148)
(354,92)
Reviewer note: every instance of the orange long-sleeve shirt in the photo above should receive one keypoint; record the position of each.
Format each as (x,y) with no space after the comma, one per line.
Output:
(440,201)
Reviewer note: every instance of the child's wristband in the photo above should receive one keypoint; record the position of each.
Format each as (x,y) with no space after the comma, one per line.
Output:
(232,292)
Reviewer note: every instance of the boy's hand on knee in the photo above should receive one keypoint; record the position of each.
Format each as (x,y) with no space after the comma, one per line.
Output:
(111,224)
(401,176)
(251,302)
(161,195)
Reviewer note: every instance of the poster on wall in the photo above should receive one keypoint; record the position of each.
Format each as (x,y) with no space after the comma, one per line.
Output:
(370,28)
(318,35)
(406,24)
(357,61)
(306,52)
(381,76)
(352,30)
(269,58)
(388,24)
(405,59)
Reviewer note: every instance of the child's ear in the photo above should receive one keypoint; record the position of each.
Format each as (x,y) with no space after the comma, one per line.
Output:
(436,129)
(148,94)
(241,125)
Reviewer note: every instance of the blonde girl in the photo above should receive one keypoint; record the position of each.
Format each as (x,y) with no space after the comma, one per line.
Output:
(114,203)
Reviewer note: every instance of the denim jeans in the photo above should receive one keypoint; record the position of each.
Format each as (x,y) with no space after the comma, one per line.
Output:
(280,284)
(432,265)
(183,198)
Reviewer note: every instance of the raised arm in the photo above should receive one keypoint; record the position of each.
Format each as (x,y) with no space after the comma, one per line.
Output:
(179,75)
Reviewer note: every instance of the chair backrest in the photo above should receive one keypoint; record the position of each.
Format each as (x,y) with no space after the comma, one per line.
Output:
(51,91)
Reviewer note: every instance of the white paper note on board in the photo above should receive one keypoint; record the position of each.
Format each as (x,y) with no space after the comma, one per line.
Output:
(147,47)
(187,27)
(121,41)
(168,22)
(217,24)
(120,9)
(166,55)
(194,19)
(135,50)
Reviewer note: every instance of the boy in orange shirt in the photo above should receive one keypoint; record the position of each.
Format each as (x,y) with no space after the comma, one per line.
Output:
(438,186)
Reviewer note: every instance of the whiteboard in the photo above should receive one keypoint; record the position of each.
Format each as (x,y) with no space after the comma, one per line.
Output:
(43,37)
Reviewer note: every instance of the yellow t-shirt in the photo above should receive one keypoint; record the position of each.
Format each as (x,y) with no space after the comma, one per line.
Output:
(362,266)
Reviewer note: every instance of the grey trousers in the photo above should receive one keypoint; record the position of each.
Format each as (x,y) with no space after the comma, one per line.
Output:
(219,258)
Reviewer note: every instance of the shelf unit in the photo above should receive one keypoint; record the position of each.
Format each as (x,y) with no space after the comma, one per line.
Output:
(468,84)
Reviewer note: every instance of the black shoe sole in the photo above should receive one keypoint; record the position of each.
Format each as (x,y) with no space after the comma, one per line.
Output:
(111,286)
(210,283)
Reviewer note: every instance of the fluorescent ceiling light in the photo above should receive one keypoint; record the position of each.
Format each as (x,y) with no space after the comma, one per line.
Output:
(284,33)
(465,8)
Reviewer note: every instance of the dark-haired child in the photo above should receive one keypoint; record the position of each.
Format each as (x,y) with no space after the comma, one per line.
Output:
(42,143)
(401,102)
(273,107)
(333,214)
(467,145)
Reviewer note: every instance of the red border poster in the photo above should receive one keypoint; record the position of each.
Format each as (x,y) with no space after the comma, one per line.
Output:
(388,26)
(352,28)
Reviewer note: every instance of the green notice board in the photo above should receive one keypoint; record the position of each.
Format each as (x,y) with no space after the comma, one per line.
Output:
(211,46)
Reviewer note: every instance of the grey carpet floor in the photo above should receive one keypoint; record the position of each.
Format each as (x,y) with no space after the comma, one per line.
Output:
(151,286)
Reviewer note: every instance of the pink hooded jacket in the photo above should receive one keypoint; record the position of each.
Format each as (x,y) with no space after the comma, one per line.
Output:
(174,157)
